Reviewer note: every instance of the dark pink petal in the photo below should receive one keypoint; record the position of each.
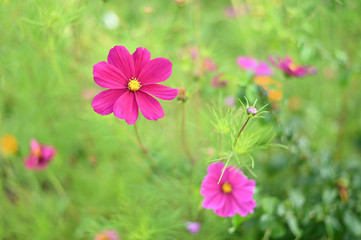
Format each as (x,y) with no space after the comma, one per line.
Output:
(214,202)
(160,91)
(126,107)
(120,57)
(48,152)
(210,189)
(155,71)
(149,106)
(244,207)
(103,102)
(228,209)
(247,63)
(31,162)
(141,57)
(108,76)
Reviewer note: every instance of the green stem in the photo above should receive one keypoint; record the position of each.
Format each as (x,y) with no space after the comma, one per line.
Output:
(240,131)
(145,151)
(184,139)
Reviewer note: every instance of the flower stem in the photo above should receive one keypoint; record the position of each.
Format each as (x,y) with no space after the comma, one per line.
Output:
(145,151)
(240,131)
(183,136)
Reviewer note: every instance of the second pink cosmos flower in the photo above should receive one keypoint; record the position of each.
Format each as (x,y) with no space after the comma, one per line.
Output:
(132,84)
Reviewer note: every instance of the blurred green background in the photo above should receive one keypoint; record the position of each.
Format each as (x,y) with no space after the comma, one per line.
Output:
(100,179)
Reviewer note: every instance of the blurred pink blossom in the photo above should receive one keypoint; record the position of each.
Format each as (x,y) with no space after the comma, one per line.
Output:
(107,235)
(217,81)
(40,156)
(230,101)
(193,227)
(251,64)
(288,67)
(209,65)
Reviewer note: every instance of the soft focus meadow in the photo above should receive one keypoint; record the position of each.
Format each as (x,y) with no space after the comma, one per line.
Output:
(266,97)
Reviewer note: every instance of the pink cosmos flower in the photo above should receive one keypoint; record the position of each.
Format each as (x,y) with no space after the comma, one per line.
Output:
(132,81)
(40,155)
(218,81)
(193,227)
(107,235)
(251,64)
(287,66)
(233,194)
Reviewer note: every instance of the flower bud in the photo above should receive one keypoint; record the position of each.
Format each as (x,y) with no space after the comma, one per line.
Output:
(252,110)
(182,94)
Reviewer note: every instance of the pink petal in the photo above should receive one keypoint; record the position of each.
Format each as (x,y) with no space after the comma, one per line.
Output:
(126,107)
(141,57)
(48,152)
(34,145)
(247,63)
(160,91)
(120,57)
(149,106)
(108,76)
(244,207)
(215,201)
(103,102)
(31,162)
(263,70)
(155,71)
(228,209)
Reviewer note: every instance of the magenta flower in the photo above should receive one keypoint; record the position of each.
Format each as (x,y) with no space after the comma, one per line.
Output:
(107,235)
(233,194)
(193,227)
(251,64)
(287,66)
(218,81)
(40,155)
(132,81)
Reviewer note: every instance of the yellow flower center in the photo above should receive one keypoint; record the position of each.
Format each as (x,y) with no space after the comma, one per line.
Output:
(226,187)
(37,152)
(134,84)
(292,66)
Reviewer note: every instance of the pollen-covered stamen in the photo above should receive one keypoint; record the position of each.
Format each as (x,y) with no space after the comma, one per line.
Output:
(37,152)
(134,84)
(292,67)
(226,187)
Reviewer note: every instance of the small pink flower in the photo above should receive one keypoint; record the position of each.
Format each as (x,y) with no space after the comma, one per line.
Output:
(193,227)
(218,81)
(40,155)
(287,66)
(251,64)
(132,82)
(233,194)
(230,101)
(209,65)
(107,235)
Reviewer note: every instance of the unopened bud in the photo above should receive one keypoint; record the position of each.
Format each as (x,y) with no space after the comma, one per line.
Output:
(252,110)
(182,94)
